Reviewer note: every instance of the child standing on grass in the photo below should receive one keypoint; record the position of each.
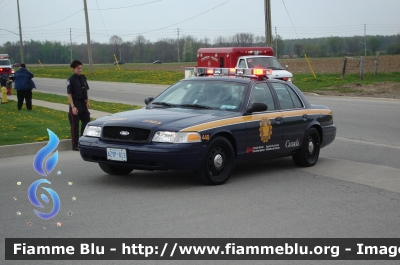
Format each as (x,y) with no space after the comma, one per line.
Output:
(9,85)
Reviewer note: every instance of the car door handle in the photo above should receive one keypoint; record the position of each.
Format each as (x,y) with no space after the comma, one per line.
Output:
(278,118)
(305,116)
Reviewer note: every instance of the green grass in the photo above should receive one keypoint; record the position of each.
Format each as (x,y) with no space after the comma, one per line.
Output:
(24,126)
(158,74)
(110,73)
(110,107)
(333,82)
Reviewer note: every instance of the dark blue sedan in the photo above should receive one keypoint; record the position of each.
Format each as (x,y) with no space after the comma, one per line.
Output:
(207,124)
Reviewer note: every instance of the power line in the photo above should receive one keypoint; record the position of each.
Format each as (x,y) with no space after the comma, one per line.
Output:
(56,21)
(6,4)
(189,18)
(290,18)
(102,18)
(123,7)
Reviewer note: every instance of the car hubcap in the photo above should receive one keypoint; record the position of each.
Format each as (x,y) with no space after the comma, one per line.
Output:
(310,147)
(218,160)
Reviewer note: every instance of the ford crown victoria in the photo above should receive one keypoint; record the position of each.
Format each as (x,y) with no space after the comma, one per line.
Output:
(207,124)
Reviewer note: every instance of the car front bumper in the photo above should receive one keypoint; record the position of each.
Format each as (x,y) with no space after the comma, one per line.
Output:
(149,156)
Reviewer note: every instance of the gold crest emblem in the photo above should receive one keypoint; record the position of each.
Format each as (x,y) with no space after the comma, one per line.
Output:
(265,129)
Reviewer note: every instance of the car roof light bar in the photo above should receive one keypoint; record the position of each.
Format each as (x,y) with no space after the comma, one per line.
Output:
(245,72)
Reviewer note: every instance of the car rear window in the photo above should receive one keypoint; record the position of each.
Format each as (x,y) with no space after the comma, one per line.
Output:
(287,98)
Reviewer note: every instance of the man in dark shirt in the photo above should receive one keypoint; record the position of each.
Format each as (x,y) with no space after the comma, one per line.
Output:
(77,89)
(24,85)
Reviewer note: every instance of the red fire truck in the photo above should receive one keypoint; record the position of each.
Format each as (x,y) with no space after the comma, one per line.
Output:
(239,58)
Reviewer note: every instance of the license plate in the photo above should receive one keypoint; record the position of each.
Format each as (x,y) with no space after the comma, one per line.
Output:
(116,154)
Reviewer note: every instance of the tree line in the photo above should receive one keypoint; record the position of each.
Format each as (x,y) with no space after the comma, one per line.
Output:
(142,50)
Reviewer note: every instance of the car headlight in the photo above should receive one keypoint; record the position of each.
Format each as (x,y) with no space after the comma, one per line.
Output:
(93,131)
(290,79)
(177,137)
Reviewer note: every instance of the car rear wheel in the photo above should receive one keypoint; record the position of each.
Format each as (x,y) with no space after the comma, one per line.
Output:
(218,162)
(309,151)
(115,170)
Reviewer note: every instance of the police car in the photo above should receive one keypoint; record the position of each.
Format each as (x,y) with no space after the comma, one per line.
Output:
(208,123)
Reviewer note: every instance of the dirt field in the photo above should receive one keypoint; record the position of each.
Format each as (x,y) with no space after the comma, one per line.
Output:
(387,63)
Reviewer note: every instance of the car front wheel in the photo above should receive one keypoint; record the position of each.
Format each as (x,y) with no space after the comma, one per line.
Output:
(218,162)
(309,151)
(115,170)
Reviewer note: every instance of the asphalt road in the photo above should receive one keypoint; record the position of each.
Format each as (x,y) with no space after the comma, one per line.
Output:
(353,191)
(127,93)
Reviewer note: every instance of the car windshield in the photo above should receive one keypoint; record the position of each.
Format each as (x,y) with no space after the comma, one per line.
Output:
(202,94)
(5,62)
(264,62)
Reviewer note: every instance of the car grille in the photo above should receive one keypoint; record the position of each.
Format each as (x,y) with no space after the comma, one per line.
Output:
(135,134)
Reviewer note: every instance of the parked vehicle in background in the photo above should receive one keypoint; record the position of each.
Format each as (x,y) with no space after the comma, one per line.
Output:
(119,62)
(240,58)
(16,65)
(6,68)
(157,61)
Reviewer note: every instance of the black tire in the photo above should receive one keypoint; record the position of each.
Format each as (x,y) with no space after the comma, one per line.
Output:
(309,151)
(115,170)
(218,162)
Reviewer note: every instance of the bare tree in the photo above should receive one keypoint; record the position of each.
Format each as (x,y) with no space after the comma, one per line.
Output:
(335,44)
(116,40)
(243,39)
(219,41)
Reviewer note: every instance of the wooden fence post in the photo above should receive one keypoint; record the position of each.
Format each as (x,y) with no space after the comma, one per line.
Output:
(344,67)
(376,63)
(362,63)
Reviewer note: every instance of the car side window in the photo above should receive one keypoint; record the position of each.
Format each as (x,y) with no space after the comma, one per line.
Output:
(296,101)
(261,93)
(242,63)
(284,97)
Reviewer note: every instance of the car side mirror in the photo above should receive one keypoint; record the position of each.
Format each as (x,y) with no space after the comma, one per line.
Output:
(257,107)
(148,100)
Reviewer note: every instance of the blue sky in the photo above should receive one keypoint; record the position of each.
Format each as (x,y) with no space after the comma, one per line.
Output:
(157,19)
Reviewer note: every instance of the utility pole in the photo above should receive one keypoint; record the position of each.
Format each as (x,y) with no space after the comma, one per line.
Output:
(70,40)
(120,54)
(276,43)
(268,34)
(20,35)
(365,39)
(179,60)
(88,38)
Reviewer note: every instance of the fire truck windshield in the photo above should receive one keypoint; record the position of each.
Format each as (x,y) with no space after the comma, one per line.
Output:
(264,62)
(5,62)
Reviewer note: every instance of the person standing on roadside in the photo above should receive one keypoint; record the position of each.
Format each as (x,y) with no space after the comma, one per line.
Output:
(24,85)
(77,89)
(3,79)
